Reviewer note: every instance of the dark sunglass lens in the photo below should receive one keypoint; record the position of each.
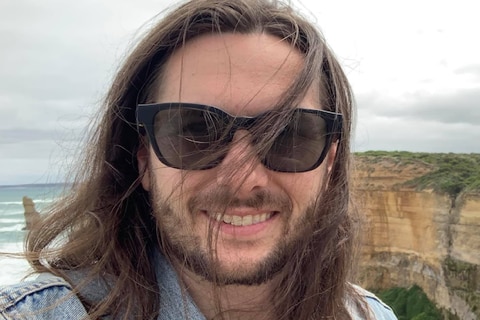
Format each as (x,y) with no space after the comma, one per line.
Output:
(300,145)
(187,138)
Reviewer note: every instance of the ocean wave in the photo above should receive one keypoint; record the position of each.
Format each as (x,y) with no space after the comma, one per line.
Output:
(41,200)
(13,270)
(48,200)
(11,214)
(12,219)
(16,227)
(10,202)
(11,246)
(12,209)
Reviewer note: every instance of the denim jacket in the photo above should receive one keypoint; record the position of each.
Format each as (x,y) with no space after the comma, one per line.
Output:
(50,297)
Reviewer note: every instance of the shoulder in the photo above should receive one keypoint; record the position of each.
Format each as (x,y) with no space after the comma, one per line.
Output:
(378,310)
(47,297)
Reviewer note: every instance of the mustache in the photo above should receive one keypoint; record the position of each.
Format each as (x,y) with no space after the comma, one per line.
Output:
(222,197)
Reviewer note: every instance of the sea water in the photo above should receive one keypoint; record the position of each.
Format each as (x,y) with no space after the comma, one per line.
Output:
(12,224)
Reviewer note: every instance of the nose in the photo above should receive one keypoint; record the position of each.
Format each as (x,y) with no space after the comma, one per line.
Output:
(241,169)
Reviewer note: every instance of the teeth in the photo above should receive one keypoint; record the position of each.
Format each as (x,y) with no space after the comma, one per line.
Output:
(247,220)
(226,219)
(241,221)
(237,220)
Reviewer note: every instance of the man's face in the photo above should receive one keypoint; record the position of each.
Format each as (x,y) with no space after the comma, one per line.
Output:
(243,75)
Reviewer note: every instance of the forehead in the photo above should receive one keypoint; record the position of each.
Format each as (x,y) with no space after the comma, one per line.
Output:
(241,73)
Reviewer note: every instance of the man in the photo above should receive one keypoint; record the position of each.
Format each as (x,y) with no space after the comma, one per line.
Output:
(216,184)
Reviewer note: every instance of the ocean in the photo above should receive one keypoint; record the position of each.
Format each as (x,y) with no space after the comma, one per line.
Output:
(12,222)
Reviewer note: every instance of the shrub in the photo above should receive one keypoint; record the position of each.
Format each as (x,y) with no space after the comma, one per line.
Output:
(410,304)
(451,174)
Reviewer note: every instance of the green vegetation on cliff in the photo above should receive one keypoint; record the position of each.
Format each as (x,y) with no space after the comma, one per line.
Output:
(412,304)
(451,173)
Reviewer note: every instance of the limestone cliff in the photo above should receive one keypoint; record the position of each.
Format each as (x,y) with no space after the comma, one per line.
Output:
(425,237)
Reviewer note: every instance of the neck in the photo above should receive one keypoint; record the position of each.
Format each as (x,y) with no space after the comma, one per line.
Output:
(231,301)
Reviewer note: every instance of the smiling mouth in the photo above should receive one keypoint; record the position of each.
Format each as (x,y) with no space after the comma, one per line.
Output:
(241,221)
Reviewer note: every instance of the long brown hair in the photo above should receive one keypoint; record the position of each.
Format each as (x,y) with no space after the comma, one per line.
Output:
(105,224)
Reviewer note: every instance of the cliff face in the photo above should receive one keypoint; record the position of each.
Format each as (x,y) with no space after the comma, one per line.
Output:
(419,237)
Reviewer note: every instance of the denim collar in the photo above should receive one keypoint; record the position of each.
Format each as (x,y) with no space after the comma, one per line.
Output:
(175,302)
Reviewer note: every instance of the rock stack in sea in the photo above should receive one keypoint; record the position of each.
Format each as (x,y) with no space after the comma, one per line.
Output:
(31,215)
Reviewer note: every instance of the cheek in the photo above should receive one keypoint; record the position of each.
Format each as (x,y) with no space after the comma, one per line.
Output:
(162,179)
(303,188)
(174,184)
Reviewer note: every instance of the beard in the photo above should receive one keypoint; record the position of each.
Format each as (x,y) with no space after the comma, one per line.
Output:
(180,242)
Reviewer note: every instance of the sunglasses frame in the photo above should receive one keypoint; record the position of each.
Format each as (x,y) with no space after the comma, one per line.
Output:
(146,113)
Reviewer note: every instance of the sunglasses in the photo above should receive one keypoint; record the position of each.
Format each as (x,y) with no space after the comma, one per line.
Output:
(191,136)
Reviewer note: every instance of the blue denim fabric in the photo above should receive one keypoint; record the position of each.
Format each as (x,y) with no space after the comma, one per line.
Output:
(378,309)
(50,297)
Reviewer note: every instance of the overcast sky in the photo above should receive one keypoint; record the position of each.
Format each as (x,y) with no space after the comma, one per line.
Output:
(414,67)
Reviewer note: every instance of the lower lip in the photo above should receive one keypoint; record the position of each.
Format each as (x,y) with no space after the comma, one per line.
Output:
(243,231)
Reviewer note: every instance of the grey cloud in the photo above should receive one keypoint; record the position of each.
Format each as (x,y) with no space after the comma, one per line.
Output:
(57,57)
(30,114)
(49,69)
(461,107)
(21,135)
(383,133)
(26,171)
(48,50)
(420,123)
(472,70)
(55,135)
